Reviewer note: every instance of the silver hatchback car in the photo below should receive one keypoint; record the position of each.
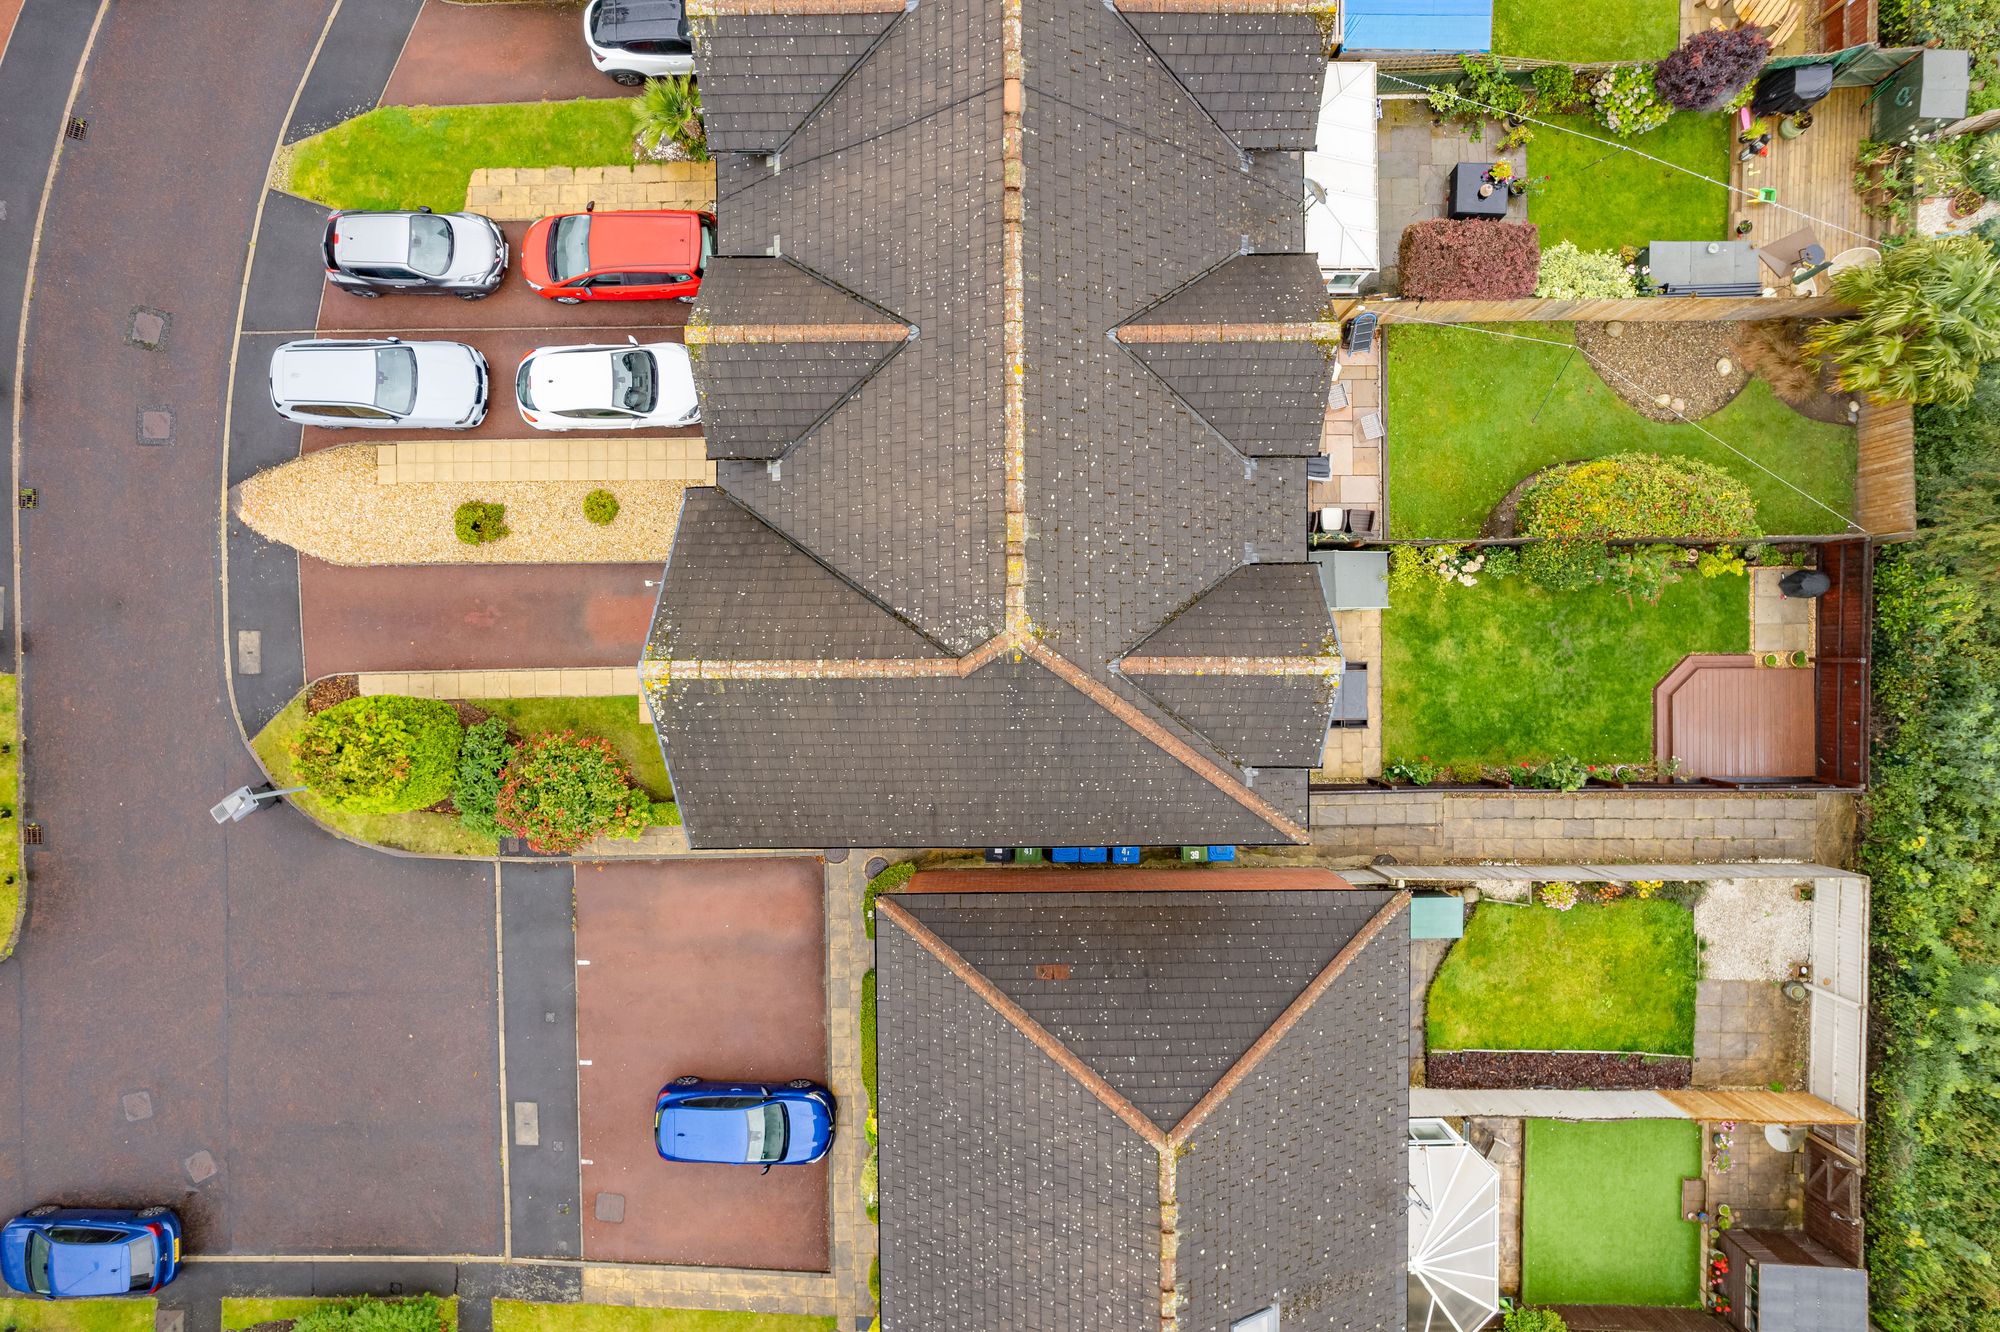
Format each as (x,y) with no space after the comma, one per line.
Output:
(380,382)
(456,254)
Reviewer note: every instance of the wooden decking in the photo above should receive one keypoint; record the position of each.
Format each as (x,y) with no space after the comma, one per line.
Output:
(1724,716)
(1814,177)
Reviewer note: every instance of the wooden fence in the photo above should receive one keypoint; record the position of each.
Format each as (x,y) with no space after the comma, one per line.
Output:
(1641,310)
(1885,477)
(1840,668)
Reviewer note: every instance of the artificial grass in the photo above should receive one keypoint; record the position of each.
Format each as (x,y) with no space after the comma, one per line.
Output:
(615,718)
(239,1313)
(1601,1216)
(409,156)
(1600,976)
(418,831)
(113,1315)
(1588,31)
(1505,672)
(11,887)
(520,1316)
(1601,198)
(1468,422)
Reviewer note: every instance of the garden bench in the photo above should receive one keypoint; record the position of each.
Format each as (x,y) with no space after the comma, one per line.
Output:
(1694,1196)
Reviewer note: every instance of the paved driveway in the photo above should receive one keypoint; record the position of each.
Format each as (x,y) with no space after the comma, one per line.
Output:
(460,53)
(712,967)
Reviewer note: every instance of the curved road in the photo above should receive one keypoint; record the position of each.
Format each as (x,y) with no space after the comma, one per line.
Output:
(314,1023)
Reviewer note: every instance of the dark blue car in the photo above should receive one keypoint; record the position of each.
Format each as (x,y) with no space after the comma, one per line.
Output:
(63,1253)
(743,1123)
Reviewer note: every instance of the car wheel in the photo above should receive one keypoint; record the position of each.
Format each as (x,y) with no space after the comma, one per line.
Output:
(145,1212)
(627,78)
(569,300)
(46,1209)
(687,1081)
(801,1084)
(473,295)
(365,293)
(685,300)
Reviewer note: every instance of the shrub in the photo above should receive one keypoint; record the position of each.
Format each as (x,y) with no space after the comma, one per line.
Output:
(1502,561)
(1421,772)
(1711,67)
(1570,274)
(1644,571)
(600,506)
(480,761)
(1558,896)
(1982,164)
(1629,495)
(1561,773)
(1928,316)
(478,522)
(1719,563)
(888,881)
(1560,89)
(670,109)
(1447,260)
(1624,102)
(560,789)
(381,753)
(1534,1320)
(419,1313)
(1565,566)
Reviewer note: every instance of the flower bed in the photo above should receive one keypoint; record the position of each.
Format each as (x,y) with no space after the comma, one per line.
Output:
(1492,1070)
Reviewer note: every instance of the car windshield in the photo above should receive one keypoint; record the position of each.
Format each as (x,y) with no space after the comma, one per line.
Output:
(430,244)
(396,379)
(521,393)
(569,246)
(768,1132)
(635,384)
(707,245)
(38,1264)
(145,1253)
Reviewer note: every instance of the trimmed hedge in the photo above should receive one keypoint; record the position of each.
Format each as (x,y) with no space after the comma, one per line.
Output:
(1624,496)
(1447,260)
(364,1313)
(381,754)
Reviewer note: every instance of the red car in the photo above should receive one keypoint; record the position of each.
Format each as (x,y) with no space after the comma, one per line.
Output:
(638,256)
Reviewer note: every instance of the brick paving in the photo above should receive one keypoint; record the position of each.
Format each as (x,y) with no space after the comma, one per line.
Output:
(1763,1186)
(1778,623)
(524,193)
(648,459)
(1589,826)
(555,682)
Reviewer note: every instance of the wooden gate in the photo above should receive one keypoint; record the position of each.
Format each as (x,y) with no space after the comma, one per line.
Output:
(1833,1198)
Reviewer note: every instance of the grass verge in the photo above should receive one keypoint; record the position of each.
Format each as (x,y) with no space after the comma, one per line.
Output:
(428,834)
(520,1316)
(1505,671)
(1601,1213)
(1457,444)
(1587,32)
(239,1313)
(412,156)
(12,887)
(123,1315)
(1601,198)
(1603,976)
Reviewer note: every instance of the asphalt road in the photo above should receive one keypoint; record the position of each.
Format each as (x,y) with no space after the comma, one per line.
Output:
(314,1023)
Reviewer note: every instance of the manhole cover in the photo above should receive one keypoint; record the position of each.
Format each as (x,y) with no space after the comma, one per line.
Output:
(837,856)
(156,425)
(875,866)
(200,1167)
(149,328)
(137,1105)
(610,1207)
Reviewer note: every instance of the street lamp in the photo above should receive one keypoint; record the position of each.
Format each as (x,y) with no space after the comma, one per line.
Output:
(241,803)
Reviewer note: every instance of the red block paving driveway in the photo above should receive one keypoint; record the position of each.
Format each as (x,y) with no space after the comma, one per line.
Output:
(461,54)
(716,968)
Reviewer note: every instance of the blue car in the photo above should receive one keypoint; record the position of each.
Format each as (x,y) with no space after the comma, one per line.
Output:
(63,1253)
(743,1123)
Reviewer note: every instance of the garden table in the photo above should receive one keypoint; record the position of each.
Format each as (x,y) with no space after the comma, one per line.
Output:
(1466,178)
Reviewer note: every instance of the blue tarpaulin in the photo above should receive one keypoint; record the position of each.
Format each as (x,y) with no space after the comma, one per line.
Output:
(1417,25)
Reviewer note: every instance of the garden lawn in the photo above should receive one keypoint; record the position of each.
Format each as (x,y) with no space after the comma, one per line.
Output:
(427,834)
(119,1315)
(1601,1213)
(10,829)
(518,1316)
(411,156)
(1587,31)
(615,719)
(1602,198)
(1504,672)
(1601,976)
(1467,423)
(241,1313)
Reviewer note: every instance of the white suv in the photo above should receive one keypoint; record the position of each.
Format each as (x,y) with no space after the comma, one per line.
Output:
(381,382)
(634,40)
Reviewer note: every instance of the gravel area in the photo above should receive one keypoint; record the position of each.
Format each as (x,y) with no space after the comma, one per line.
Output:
(329,505)
(1675,359)
(1756,929)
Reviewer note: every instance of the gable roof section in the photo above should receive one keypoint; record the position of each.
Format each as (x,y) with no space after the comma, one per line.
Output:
(1257,74)
(1259,610)
(761,75)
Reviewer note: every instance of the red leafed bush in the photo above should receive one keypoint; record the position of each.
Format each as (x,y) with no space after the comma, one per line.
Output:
(1443,260)
(1711,67)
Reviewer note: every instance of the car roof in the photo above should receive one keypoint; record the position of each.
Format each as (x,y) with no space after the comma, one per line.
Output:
(372,238)
(327,374)
(639,20)
(91,1269)
(711,1135)
(645,242)
(579,377)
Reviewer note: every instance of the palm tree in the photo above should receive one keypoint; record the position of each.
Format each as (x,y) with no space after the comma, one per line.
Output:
(670,108)
(1927,317)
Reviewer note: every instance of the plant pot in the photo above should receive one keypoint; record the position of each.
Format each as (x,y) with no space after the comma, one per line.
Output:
(1799,658)
(1486,189)
(1769,659)
(1793,126)
(1965,203)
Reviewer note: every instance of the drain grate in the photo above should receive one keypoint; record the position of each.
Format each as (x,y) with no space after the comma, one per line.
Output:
(27,497)
(78,128)
(31,833)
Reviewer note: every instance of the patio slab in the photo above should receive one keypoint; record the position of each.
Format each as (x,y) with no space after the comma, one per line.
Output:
(1747,1034)
(1414,162)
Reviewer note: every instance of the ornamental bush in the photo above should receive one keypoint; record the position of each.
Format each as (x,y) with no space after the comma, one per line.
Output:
(1570,274)
(1534,1320)
(600,506)
(1559,89)
(1447,260)
(481,758)
(419,1313)
(381,753)
(1927,317)
(561,789)
(1624,101)
(1711,67)
(1565,566)
(1632,495)
(478,522)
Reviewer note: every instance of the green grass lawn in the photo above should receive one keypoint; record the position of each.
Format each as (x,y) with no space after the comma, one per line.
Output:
(10,796)
(1601,198)
(518,1316)
(1592,31)
(239,1313)
(1504,671)
(125,1315)
(407,156)
(1601,1216)
(1601,976)
(1467,423)
(615,719)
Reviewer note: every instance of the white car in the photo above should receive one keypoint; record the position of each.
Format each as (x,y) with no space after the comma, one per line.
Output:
(634,40)
(382,382)
(615,387)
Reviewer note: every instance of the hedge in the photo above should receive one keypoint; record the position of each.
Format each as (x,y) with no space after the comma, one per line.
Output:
(381,753)
(1447,260)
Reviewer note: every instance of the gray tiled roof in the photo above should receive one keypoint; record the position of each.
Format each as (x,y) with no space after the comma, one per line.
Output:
(1266,398)
(758,399)
(1257,74)
(1260,610)
(761,75)
(762,289)
(1247,289)
(1257,720)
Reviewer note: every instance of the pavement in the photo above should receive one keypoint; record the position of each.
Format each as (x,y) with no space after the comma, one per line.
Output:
(528,53)
(714,968)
